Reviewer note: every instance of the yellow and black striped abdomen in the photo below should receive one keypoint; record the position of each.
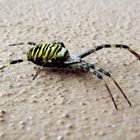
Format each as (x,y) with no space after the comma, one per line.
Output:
(46,53)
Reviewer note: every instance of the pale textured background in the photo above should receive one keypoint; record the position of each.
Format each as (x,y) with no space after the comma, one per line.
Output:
(64,104)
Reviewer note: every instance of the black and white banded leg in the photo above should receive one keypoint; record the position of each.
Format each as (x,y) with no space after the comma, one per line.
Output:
(99,72)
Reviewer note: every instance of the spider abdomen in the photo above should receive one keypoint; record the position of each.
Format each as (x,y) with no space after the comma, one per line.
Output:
(47,54)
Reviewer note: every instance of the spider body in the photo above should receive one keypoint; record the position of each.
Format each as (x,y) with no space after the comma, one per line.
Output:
(47,55)
(56,55)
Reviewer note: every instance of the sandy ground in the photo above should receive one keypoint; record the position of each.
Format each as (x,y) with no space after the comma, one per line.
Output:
(69,104)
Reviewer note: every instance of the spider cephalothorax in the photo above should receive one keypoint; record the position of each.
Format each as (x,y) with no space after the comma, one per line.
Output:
(56,55)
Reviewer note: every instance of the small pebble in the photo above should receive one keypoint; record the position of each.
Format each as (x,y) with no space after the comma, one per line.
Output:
(68,133)
(23,100)
(2,113)
(2,119)
(70,126)
(86,118)
(97,99)
(34,101)
(62,122)
(102,133)
(22,123)
(2,134)
(95,119)
(66,116)
(46,99)
(12,116)
(83,112)
(83,103)
(117,97)
(10,86)
(94,133)
(108,125)
(30,117)
(113,126)
(105,111)
(60,138)
(53,103)
(50,112)
(28,129)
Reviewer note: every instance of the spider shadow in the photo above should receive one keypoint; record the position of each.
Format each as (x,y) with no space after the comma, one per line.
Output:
(65,73)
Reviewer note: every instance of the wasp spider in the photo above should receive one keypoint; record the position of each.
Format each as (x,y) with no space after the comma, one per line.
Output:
(56,55)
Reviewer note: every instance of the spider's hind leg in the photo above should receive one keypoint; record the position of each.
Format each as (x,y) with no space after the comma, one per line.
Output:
(92,70)
(114,81)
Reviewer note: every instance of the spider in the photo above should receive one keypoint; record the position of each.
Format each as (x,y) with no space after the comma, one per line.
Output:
(56,55)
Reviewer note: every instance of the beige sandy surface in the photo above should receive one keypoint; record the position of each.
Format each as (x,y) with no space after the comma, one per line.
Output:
(69,104)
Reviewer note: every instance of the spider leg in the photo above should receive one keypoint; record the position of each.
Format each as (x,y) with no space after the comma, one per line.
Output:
(59,42)
(29,43)
(14,62)
(39,70)
(67,63)
(115,82)
(108,89)
(92,70)
(101,70)
(37,73)
(17,60)
(70,61)
(96,48)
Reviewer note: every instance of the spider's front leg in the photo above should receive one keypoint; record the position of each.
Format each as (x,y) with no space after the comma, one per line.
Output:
(97,48)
